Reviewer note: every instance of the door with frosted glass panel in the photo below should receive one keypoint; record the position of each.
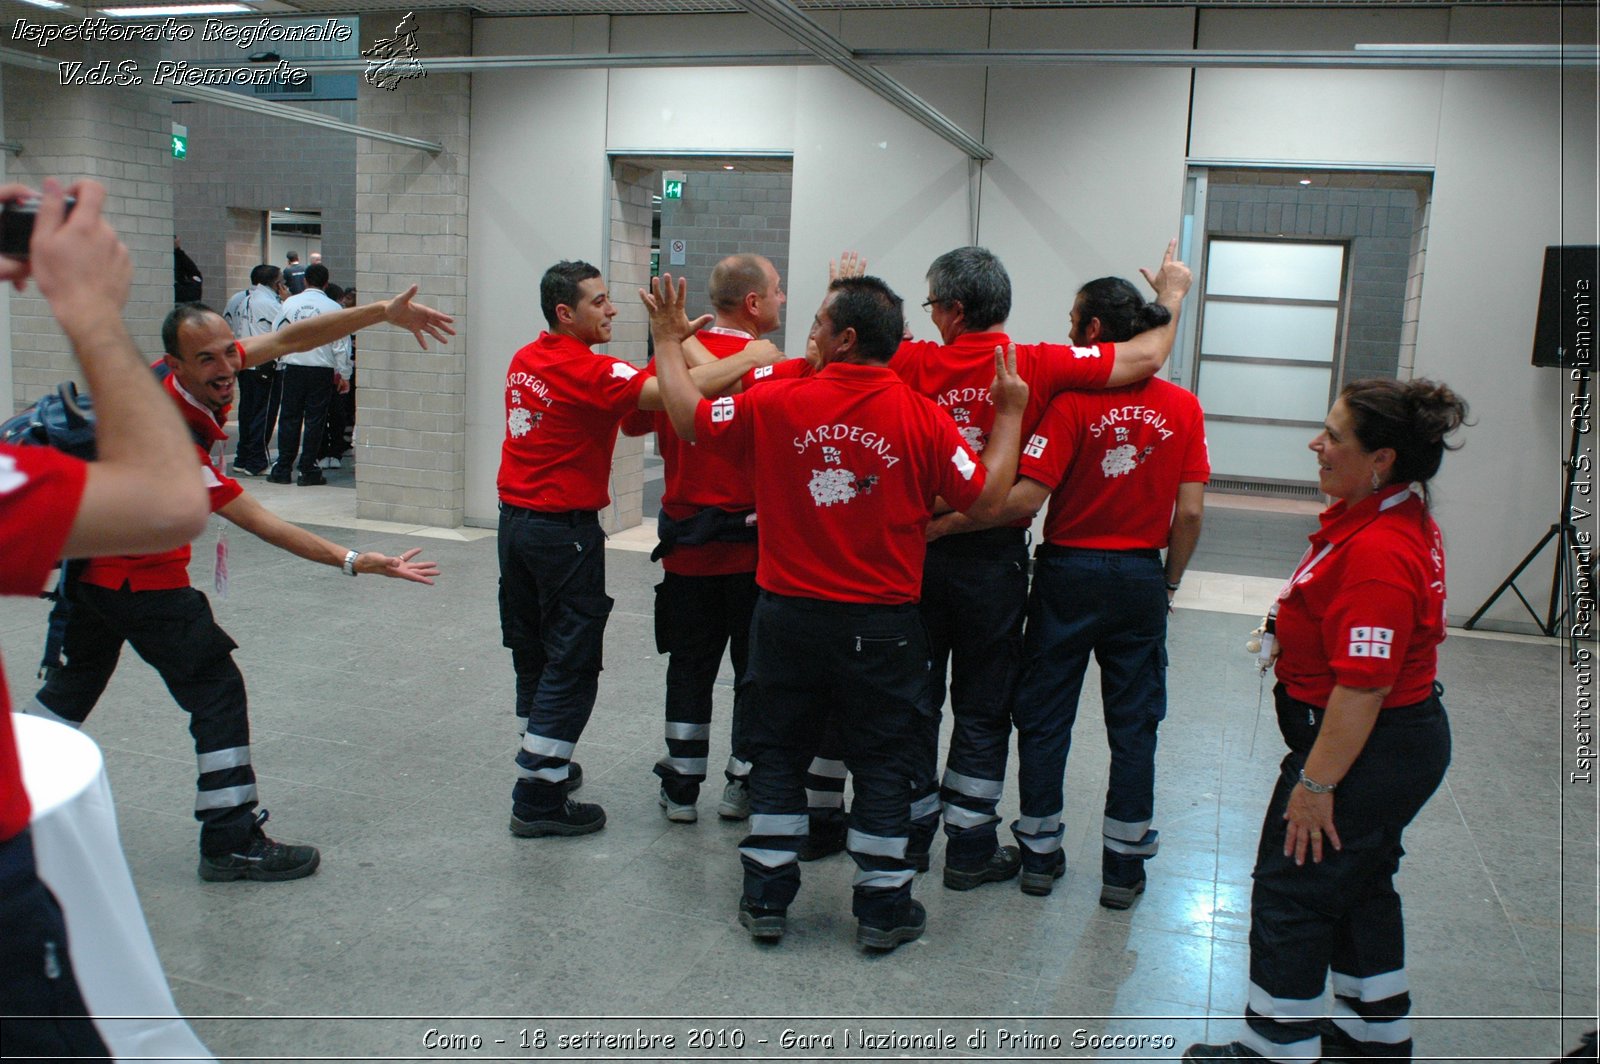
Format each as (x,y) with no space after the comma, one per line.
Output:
(1271,331)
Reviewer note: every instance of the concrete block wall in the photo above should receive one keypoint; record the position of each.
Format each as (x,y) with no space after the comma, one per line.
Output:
(725,213)
(122,140)
(243,160)
(411,212)
(1380,224)
(629,270)
(244,235)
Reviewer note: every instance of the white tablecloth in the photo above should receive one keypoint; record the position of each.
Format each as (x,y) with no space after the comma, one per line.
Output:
(80,858)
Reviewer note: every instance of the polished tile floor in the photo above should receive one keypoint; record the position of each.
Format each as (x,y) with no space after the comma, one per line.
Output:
(384,734)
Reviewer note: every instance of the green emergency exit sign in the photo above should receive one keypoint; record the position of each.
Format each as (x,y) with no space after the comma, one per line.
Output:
(674,190)
(180,146)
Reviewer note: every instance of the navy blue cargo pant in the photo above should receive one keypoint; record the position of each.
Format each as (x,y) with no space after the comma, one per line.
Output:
(553,612)
(1112,604)
(697,617)
(1342,914)
(861,669)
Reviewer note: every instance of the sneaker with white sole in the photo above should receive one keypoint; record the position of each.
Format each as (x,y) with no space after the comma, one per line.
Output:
(735,804)
(677,812)
(264,860)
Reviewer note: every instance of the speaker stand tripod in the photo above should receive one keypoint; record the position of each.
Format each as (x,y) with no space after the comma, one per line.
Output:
(1564,576)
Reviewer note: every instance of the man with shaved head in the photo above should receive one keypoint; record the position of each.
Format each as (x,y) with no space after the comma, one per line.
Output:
(708,557)
(146,599)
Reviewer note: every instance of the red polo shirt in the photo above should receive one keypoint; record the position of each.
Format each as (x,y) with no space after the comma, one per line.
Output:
(851,460)
(170,569)
(1365,608)
(1113,461)
(563,405)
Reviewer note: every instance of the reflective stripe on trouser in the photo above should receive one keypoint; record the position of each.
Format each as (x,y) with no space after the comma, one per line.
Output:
(696,617)
(1111,604)
(174,630)
(974,592)
(1342,913)
(825,777)
(857,669)
(553,613)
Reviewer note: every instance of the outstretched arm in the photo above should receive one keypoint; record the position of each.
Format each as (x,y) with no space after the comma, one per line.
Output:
(145,493)
(421,321)
(1146,353)
(250,515)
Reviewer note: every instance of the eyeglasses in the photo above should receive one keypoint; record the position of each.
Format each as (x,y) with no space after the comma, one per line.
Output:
(928,304)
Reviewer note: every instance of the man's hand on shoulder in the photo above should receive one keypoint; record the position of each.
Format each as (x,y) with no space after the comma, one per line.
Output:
(421,321)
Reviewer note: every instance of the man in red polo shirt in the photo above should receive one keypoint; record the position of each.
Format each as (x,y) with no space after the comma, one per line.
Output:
(145,599)
(852,461)
(975,585)
(143,493)
(708,558)
(564,402)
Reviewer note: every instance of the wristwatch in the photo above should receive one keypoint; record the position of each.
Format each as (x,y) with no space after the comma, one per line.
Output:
(349,565)
(1314,787)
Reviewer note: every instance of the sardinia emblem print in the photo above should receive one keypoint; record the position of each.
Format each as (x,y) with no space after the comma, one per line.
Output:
(520,421)
(830,486)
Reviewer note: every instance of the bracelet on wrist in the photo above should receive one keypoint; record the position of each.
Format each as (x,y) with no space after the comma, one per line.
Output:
(349,565)
(1172,585)
(1316,788)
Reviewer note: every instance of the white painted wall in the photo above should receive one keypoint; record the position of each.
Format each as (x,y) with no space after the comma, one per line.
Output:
(1089,167)
(1377,117)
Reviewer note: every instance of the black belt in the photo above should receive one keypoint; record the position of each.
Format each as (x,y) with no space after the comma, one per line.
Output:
(835,608)
(1052,550)
(981,544)
(558,517)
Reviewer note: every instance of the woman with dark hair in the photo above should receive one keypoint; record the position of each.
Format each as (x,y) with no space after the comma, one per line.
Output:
(1357,629)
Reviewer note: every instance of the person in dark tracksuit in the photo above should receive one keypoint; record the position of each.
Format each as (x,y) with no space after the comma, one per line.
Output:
(564,403)
(852,461)
(1357,631)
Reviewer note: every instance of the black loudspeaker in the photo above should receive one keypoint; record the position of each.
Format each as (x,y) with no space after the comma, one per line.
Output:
(1564,332)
